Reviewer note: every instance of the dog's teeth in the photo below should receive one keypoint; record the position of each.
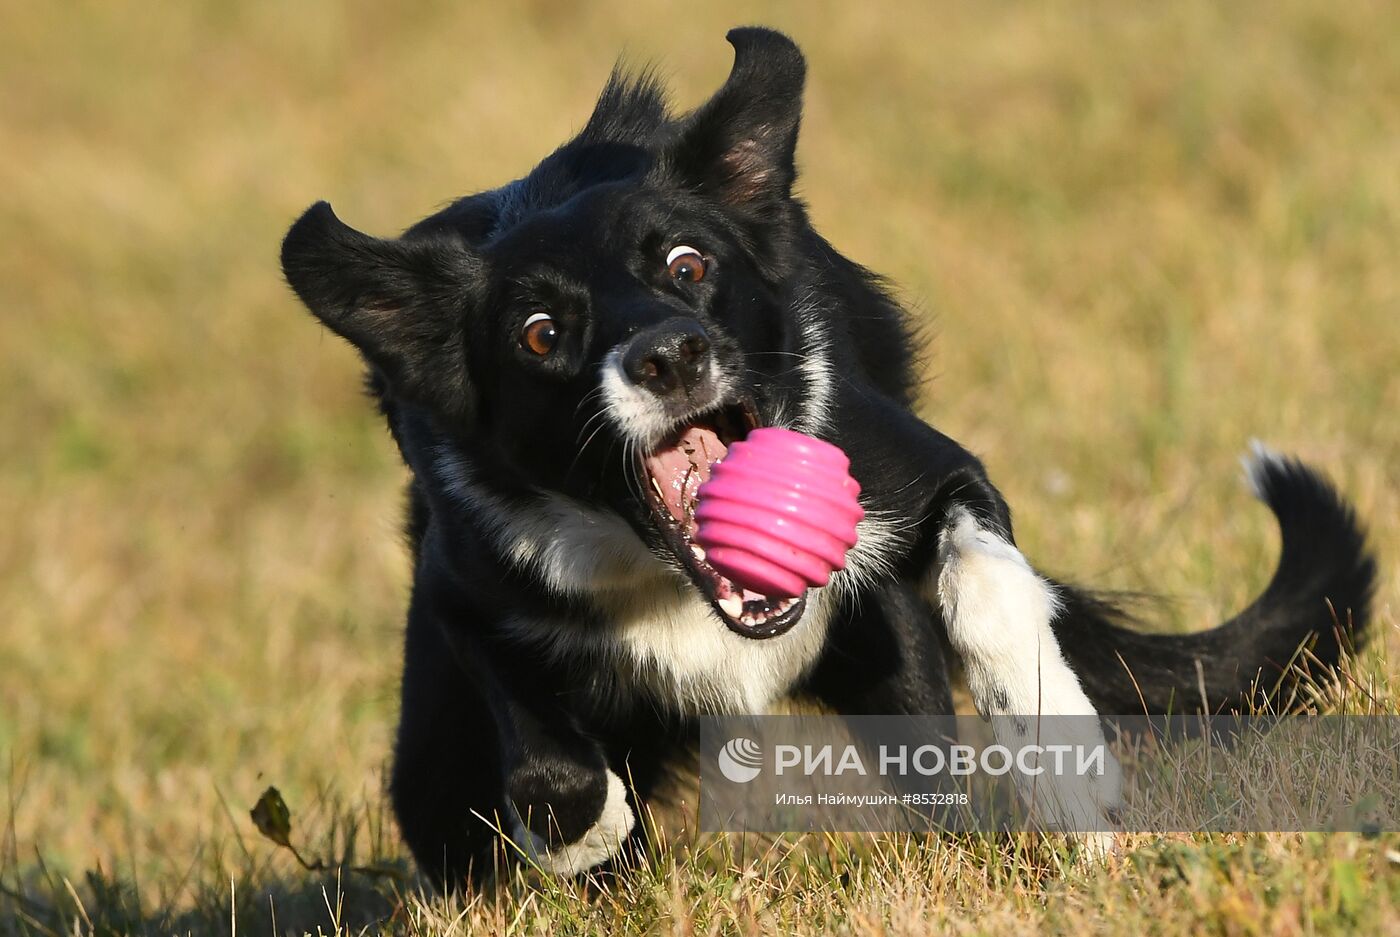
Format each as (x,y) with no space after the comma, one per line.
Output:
(656,486)
(698,552)
(733,606)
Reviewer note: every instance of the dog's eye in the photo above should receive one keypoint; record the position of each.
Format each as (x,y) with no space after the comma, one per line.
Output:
(685,263)
(539,335)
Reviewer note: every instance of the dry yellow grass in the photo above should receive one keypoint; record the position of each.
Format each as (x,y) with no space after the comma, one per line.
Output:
(1141,234)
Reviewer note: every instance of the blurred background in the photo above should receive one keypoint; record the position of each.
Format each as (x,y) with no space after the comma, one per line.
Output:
(1138,235)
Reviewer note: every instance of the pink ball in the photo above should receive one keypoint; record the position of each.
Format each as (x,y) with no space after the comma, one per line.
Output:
(779,513)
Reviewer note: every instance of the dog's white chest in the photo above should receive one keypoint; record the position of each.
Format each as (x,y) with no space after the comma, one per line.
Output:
(670,645)
(665,645)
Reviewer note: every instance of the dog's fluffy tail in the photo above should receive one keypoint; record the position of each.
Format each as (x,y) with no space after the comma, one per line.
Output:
(1316,607)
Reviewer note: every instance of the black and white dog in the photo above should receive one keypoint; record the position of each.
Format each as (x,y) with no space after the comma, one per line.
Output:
(551,354)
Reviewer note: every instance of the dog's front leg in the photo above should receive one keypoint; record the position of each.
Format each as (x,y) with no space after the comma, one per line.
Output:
(568,809)
(947,532)
(998,614)
(487,748)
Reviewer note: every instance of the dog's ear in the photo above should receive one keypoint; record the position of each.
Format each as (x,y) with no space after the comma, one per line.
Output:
(401,302)
(740,143)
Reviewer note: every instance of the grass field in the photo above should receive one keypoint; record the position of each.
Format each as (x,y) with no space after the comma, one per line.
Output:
(1140,234)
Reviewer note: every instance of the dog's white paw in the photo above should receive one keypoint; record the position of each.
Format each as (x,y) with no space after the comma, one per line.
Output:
(599,843)
(1100,847)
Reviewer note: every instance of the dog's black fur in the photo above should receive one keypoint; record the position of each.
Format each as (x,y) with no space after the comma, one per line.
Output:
(557,637)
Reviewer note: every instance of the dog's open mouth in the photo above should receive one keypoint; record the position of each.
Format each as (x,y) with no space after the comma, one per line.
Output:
(675,470)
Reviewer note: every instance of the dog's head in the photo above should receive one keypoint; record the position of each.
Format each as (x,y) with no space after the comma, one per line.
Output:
(606,326)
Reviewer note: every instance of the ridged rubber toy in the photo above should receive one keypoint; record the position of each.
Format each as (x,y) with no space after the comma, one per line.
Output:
(779,512)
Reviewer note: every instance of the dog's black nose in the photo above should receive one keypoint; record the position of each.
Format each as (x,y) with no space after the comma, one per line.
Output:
(668,359)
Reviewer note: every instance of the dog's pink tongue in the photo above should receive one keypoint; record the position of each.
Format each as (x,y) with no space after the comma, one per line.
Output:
(679,470)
